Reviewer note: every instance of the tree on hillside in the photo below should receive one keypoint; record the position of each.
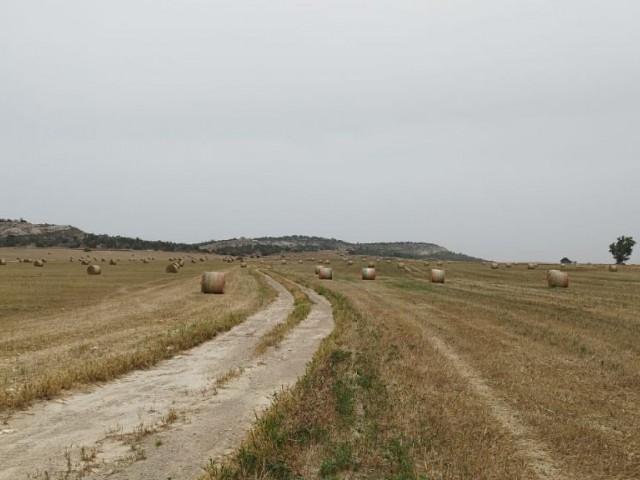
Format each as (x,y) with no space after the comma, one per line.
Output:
(622,248)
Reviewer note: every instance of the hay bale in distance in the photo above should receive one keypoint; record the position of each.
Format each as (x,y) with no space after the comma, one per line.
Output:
(556,278)
(436,275)
(349,262)
(38,263)
(243,264)
(94,270)
(495,266)
(508,265)
(318,267)
(3,261)
(84,262)
(401,266)
(327,262)
(439,263)
(172,268)
(531,266)
(368,274)
(325,273)
(613,268)
(212,282)
(371,264)
(112,262)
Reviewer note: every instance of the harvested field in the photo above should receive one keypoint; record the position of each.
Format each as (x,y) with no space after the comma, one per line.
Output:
(492,375)
(62,328)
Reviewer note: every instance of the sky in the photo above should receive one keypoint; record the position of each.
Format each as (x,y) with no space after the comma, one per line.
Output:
(507,130)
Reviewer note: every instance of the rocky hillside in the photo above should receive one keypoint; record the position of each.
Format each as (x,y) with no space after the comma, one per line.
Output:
(22,227)
(15,233)
(22,233)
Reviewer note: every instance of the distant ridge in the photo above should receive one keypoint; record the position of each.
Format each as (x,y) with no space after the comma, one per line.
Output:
(20,233)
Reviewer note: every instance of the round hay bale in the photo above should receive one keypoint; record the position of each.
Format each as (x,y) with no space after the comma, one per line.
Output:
(495,266)
(172,268)
(531,266)
(212,282)
(94,270)
(401,266)
(556,278)
(243,264)
(371,264)
(350,262)
(612,268)
(3,261)
(368,274)
(38,263)
(318,267)
(283,262)
(112,262)
(426,264)
(508,265)
(300,262)
(327,262)
(193,260)
(325,273)
(27,260)
(439,263)
(436,275)
(102,260)
(84,262)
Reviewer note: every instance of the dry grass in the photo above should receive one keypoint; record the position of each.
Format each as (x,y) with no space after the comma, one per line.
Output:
(490,376)
(62,329)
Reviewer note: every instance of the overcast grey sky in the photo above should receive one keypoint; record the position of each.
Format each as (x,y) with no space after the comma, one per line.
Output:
(505,129)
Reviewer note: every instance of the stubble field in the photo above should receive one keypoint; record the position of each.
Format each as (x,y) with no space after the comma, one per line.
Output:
(62,329)
(491,375)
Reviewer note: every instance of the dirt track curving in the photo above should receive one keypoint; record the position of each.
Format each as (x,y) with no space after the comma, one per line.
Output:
(167,421)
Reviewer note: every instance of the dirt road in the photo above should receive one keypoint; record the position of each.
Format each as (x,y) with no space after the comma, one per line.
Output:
(168,421)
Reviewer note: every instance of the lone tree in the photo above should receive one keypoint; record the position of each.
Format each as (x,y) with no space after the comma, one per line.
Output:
(621,250)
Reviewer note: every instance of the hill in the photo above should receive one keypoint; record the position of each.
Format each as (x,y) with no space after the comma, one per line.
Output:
(20,233)
(299,243)
(14,233)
